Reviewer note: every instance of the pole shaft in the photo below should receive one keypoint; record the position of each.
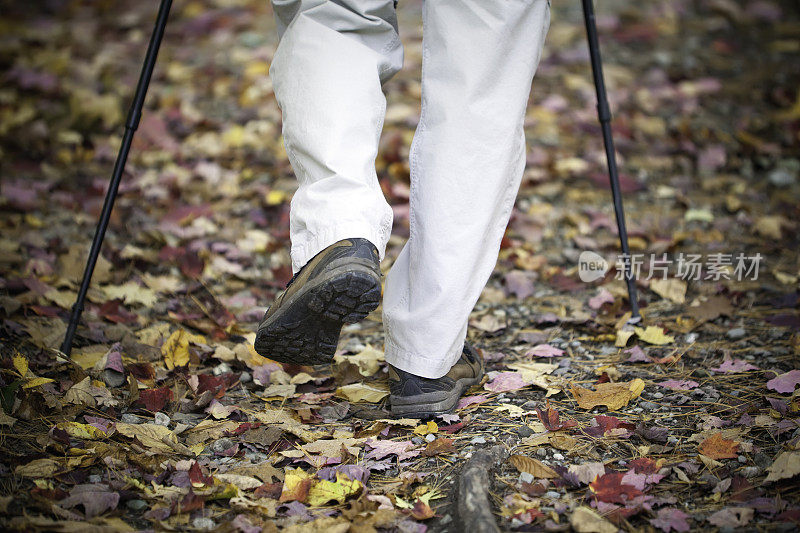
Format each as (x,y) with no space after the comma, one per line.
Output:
(604,116)
(131,124)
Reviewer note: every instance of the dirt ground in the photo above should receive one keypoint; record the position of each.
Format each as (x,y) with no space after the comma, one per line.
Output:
(164,418)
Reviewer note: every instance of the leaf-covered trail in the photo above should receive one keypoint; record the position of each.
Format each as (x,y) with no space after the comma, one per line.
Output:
(165,418)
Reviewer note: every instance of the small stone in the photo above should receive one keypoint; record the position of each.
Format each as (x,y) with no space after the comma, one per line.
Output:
(622,462)
(222,368)
(553,495)
(94,478)
(558,457)
(525,477)
(137,505)
(161,419)
(541,452)
(129,418)
(221,445)
(430,437)
(475,440)
(672,439)
(446,519)
(736,333)
(245,377)
(418,440)
(658,395)
(649,406)
(691,338)
(750,471)
(742,459)
(700,373)
(201,522)
(524,431)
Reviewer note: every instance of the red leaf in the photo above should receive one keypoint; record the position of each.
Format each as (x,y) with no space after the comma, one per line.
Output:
(197,477)
(113,311)
(644,465)
(550,419)
(191,502)
(610,489)
(154,400)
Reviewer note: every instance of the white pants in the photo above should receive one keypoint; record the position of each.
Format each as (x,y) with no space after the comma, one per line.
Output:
(466,160)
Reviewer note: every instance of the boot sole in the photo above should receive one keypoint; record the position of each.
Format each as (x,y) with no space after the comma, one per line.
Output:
(431,404)
(305,330)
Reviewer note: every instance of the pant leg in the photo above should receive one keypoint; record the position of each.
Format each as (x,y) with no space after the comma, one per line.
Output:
(327,73)
(467,159)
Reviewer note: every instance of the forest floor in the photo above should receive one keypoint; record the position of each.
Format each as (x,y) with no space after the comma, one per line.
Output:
(165,418)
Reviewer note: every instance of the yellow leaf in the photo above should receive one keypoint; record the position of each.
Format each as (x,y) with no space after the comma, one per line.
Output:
(275,197)
(672,289)
(176,348)
(622,337)
(613,395)
(425,429)
(36,382)
(21,364)
(367,360)
(653,335)
(296,485)
(532,466)
(38,468)
(152,436)
(324,491)
(81,431)
(361,392)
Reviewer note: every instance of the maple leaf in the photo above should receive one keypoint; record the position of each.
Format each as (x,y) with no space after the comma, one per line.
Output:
(604,425)
(439,446)
(731,517)
(670,519)
(613,395)
(610,488)
(382,448)
(197,477)
(717,447)
(587,472)
(645,465)
(296,485)
(154,400)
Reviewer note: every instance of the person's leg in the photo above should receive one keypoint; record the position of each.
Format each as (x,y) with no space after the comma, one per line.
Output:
(327,73)
(467,160)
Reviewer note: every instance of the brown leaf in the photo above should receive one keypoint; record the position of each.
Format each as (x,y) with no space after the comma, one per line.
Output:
(718,447)
(536,468)
(440,445)
(421,510)
(612,395)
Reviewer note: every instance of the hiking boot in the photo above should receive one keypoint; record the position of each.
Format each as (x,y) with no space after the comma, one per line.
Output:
(340,285)
(417,397)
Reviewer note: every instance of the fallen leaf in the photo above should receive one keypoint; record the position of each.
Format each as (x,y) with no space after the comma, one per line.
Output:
(175,349)
(544,350)
(679,384)
(585,520)
(785,383)
(734,365)
(426,429)
(610,488)
(672,289)
(362,392)
(367,360)
(439,446)
(587,472)
(96,498)
(532,466)
(323,491)
(731,517)
(382,448)
(612,395)
(296,485)
(653,335)
(718,447)
(785,466)
(38,468)
(670,519)
(152,436)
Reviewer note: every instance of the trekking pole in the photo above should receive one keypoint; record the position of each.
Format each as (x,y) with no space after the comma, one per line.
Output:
(604,116)
(132,122)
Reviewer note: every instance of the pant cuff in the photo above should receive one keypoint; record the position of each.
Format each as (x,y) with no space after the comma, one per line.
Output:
(418,364)
(303,252)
